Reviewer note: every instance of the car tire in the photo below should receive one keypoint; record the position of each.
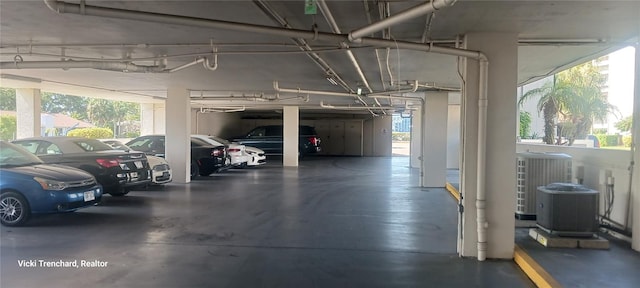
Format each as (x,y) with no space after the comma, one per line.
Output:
(119,193)
(15,210)
(194,170)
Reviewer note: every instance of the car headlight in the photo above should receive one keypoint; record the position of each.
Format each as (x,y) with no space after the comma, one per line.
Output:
(48,184)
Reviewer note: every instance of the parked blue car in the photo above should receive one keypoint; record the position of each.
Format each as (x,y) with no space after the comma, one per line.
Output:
(28,186)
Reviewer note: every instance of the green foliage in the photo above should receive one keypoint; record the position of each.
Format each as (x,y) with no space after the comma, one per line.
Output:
(626,140)
(624,125)
(132,134)
(600,131)
(94,133)
(525,124)
(602,138)
(573,97)
(8,127)
(8,99)
(608,140)
(110,114)
(401,136)
(70,105)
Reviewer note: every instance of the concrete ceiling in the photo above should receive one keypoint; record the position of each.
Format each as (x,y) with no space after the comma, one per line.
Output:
(554,35)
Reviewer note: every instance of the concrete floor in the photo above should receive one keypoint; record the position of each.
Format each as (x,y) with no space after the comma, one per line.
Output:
(332,222)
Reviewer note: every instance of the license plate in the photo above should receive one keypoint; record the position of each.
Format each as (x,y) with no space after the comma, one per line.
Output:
(89,196)
(138,164)
(133,175)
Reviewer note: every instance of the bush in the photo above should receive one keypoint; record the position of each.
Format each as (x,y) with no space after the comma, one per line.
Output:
(93,133)
(626,140)
(600,131)
(8,126)
(612,140)
(602,139)
(401,136)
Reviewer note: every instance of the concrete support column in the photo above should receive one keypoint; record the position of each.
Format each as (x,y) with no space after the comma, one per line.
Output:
(453,132)
(635,243)
(291,122)
(28,107)
(416,139)
(152,118)
(434,128)
(500,183)
(177,140)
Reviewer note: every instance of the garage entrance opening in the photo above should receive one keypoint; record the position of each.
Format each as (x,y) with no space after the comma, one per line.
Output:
(401,135)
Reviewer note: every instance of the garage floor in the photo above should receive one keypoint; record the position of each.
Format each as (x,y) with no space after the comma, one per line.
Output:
(332,222)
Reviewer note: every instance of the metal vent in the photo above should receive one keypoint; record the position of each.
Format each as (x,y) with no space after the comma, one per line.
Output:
(538,169)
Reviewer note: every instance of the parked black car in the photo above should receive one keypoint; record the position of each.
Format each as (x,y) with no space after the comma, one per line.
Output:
(205,158)
(117,171)
(269,139)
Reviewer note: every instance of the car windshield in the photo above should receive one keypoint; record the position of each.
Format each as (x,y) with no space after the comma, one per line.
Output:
(12,155)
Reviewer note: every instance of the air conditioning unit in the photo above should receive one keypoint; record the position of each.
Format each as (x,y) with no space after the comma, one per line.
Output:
(538,169)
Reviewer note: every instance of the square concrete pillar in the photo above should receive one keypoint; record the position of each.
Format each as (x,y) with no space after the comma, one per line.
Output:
(290,135)
(415,148)
(28,109)
(434,129)
(635,218)
(152,118)
(177,139)
(501,50)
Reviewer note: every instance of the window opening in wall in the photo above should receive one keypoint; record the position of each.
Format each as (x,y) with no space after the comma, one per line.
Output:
(401,135)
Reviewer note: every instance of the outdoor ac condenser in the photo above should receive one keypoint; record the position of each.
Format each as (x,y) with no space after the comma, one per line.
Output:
(538,169)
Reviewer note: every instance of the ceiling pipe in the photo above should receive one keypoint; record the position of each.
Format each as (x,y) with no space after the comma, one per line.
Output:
(329,106)
(336,29)
(416,11)
(63,7)
(112,66)
(176,69)
(222,109)
(303,45)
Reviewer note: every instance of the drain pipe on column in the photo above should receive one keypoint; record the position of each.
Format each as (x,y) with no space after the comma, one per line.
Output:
(483,102)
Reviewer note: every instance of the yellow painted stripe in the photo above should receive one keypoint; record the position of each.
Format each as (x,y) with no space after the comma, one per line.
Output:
(534,271)
(454,192)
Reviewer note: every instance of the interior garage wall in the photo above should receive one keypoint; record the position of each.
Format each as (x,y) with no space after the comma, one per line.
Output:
(215,123)
(377,136)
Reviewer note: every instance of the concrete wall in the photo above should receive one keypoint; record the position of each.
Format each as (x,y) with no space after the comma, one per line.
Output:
(453,132)
(377,137)
(595,163)
(216,123)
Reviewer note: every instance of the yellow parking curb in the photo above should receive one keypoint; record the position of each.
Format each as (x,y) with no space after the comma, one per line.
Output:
(534,271)
(454,192)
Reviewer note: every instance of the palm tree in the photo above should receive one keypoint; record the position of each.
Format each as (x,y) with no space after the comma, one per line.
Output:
(585,101)
(573,97)
(552,100)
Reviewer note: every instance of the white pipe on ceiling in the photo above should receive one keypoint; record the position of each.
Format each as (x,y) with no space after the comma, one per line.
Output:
(63,7)
(405,15)
(113,66)
(336,29)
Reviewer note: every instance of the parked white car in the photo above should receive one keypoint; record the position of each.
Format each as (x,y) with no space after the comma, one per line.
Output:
(160,169)
(237,152)
(256,156)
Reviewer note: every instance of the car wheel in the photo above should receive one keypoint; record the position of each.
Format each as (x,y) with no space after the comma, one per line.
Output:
(195,170)
(14,209)
(119,193)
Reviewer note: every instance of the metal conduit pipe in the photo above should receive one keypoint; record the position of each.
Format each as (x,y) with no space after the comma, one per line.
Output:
(481,217)
(354,107)
(184,66)
(336,29)
(62,7)
(416,11)
(113,66)
(303,45)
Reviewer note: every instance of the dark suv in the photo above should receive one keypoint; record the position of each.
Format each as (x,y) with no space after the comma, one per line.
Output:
(269,139)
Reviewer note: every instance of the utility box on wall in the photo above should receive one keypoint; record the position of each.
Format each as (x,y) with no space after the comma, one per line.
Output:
(567,209)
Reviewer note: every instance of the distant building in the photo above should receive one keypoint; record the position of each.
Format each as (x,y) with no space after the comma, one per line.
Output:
(55,124)
(401,124)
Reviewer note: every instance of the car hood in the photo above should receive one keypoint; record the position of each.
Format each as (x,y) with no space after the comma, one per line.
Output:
(253,149)
(52,171)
